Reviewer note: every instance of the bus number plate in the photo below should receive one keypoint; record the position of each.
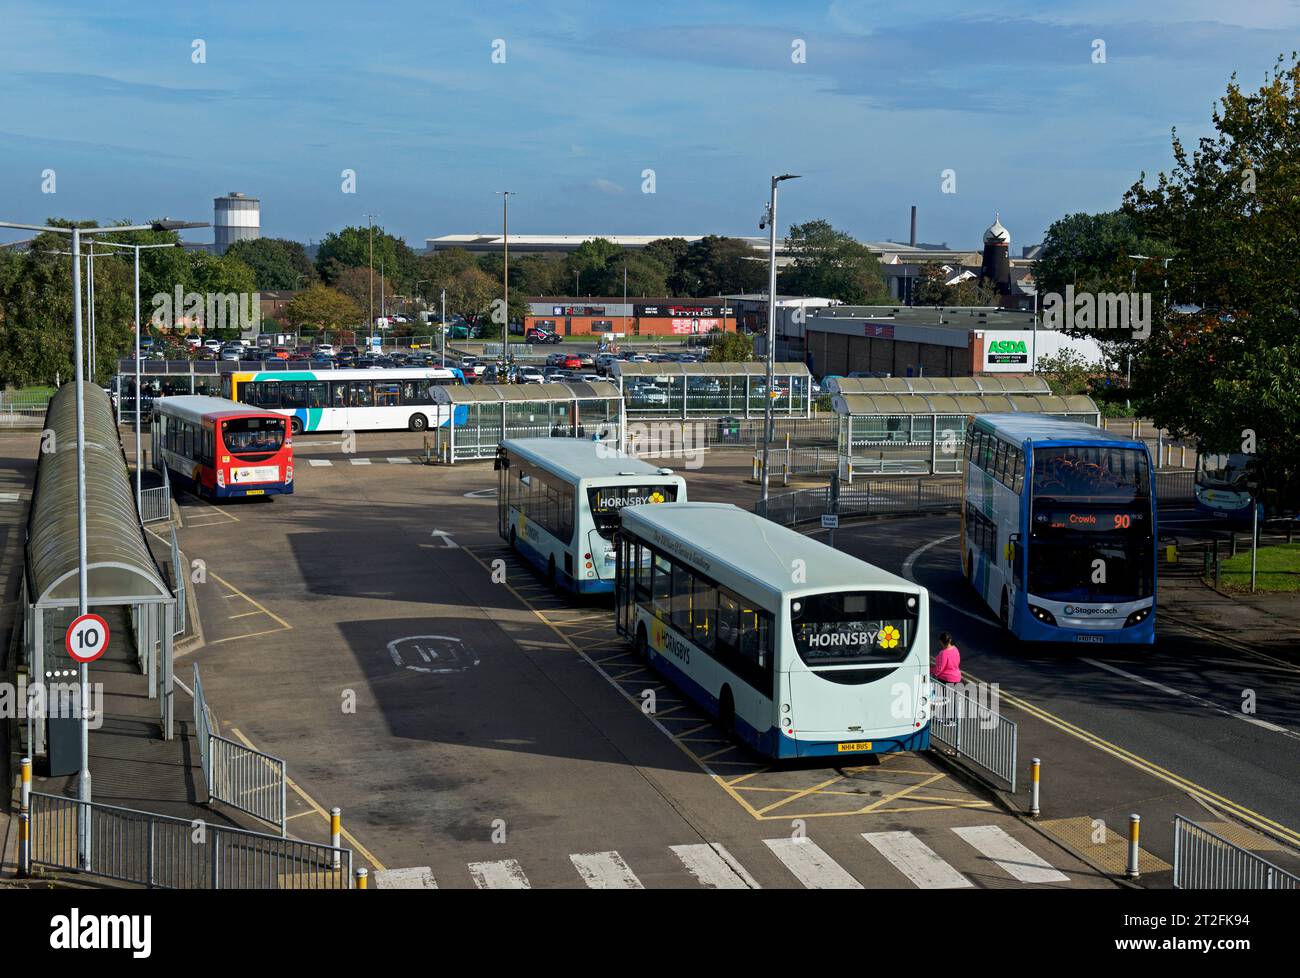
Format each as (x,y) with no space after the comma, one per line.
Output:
(255,492)
(1090,639)
(855,745)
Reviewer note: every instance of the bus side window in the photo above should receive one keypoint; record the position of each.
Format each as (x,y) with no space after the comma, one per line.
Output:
(728,638)
(661,585)
(704,613)
(1018,474)
(683,586)
(363,394)
(642,572)
(339,393)
(317,394)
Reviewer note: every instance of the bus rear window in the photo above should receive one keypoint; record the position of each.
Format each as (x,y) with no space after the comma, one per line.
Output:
(606,501)
(854,627)
(255,436)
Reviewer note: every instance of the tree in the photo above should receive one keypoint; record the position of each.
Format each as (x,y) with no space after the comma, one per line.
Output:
(355,283)
(732,348)
(350,248)
(1222,364)
(323,306)
(716,265)
(666,252)
(1091,250)
(1067,371)
(831,264)
(276,263)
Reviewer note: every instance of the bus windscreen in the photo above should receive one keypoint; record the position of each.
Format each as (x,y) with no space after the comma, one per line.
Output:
(252,436)
(854,627)
(1091,471)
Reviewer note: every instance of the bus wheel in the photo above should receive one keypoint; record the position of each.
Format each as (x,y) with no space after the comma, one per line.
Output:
(1005,613)
(418,422)
(642,644)
(727,713)
(295,426)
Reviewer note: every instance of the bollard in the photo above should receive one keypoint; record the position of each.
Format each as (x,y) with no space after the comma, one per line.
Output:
(1034,769)
(361,877)
(24,844)
(1171,553)
(27,783)
(336,831)
(1134,825)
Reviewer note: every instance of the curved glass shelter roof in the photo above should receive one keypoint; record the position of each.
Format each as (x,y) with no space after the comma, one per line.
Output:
(536,393)
(869,405)
(1009,384)
(119,566)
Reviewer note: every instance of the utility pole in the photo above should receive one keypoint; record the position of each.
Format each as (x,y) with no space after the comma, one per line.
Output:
(444,327)
(370,218)
(769,220)
(505,275)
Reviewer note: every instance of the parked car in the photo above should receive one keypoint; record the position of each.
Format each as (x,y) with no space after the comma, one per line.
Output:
(280,352)
(588,359)
(193,342)
(538,335)
(529,375)
(213,345)
(232,353)
(572,361)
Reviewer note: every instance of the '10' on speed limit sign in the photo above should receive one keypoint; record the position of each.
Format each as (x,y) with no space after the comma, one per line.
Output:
(87,638)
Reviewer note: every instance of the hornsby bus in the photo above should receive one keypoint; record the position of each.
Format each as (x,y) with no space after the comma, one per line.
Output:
(559,502)
(1223,486)
(1059,529)
(798,649)
(218,448)
(366,398)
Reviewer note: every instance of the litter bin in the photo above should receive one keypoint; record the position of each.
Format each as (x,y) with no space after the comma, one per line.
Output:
(729,430)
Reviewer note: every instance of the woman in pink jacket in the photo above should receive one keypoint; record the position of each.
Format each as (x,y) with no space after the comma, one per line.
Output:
(946,667)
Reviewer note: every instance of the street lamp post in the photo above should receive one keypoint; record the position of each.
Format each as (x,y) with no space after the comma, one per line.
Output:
(769,221)
(505,196)
(444,327)
(83,679)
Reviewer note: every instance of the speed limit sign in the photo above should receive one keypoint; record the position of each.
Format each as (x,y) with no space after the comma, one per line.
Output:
(87,638)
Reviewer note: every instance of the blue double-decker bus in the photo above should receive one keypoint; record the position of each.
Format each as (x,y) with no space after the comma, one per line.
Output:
(1059,529)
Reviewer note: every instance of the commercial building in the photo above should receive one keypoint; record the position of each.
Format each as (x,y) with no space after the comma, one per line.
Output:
(570,316)
(916,341)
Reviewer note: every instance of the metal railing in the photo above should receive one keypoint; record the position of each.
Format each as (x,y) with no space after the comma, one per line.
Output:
(156,503)
(975,731)
(23,412)
(880,497)
(239,776)
(178,587)
(1204,860)
(162,851)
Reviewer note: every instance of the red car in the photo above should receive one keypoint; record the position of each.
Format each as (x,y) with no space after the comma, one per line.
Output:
(572,361)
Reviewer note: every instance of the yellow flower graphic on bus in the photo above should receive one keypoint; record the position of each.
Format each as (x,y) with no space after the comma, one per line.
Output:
(888,637)
(656,497)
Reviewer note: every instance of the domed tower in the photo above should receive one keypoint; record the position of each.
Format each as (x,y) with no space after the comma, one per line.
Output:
(995,269)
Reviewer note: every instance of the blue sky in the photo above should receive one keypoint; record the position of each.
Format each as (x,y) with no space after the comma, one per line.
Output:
(591,94)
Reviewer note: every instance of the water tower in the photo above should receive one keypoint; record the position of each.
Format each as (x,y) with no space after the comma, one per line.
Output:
(237,217)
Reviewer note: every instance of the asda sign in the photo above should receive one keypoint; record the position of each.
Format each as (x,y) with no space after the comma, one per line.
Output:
(1007,351)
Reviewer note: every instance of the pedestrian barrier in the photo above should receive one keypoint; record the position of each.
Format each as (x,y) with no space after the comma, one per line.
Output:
(178,586)
(975,731)
(156,503)
(23,411)
(880,497)
(1205,860)
(154,850)
(236,775)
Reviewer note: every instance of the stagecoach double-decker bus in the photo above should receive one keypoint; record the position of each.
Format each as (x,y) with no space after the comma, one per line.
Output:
(220,449)
(559,501)
(347,399)
(1059,529)
(798,649)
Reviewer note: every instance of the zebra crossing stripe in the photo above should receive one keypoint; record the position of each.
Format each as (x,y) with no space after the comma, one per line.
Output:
(605,871)
(915,860)
(504,875)
(319,461)
(412,878)
(810,865)
(1017,860)
(714,867)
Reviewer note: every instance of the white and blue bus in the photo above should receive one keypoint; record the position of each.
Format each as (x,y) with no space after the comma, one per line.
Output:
(347,399)
(1224,485)
(559,501)
(1059,529)
(797,649)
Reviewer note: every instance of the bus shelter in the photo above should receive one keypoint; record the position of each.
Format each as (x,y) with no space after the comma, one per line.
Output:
(1007,384)
(124,583)
(712,390)
(484,414)
(925,433)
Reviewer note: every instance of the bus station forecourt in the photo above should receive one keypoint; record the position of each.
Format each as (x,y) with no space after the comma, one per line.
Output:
(485,696)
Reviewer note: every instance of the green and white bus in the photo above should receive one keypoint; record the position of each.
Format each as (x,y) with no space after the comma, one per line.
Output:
(559,502)
(799,650)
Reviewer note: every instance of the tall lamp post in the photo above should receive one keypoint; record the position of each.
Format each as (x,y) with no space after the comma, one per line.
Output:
(139,488)
(505,196)
(769,221)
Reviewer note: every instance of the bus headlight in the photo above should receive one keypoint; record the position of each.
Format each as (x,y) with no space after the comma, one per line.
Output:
(1042,614)
(288,473)
(1137,617)
(221,478)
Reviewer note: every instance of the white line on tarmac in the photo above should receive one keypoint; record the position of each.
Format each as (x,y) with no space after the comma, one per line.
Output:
(1273,727)
(504,875)
(1019,861)
(917,861)
(810,864)
(714,867)
(605,871)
